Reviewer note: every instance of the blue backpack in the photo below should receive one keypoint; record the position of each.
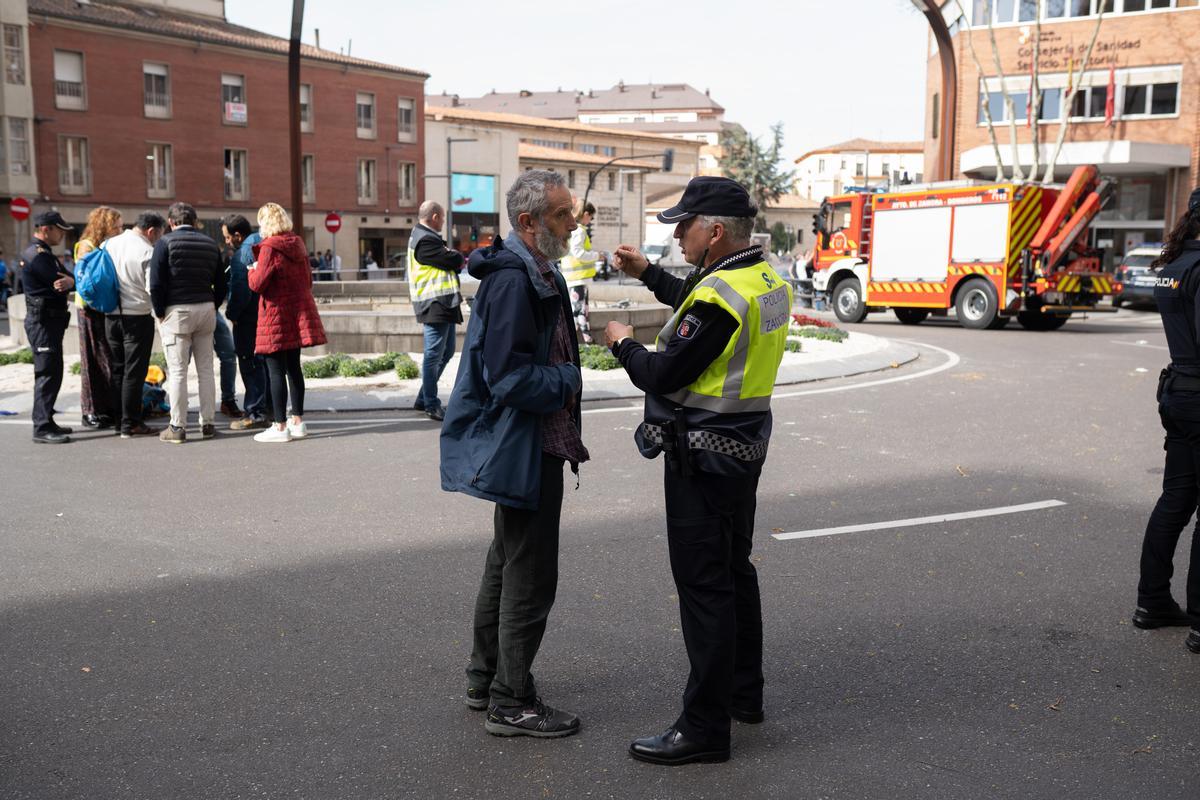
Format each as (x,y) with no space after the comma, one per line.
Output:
(96,281)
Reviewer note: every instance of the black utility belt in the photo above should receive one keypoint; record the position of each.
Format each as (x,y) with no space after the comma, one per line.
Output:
(665,436)
(1174,381)
(50,306)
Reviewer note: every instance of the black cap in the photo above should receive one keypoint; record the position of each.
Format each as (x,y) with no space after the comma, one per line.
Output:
(1194,200)
(711,197)
(50,219)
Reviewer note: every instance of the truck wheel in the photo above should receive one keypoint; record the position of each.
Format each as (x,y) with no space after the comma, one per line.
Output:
(977,306)
(848,301)
(911,316)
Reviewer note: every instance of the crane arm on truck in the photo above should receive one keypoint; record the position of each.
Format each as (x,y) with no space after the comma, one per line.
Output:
(1068,219)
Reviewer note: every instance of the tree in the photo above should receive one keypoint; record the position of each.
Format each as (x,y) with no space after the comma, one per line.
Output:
(781,240)
(756,166)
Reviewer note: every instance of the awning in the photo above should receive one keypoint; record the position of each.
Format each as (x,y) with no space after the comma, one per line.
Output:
(1119,157)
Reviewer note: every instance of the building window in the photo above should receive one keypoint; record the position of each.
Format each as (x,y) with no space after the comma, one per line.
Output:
(160,170)
(308,178)
(547,143)
(820,165)
(68,80)
(74,168)
(14,54)
(612,181)
(629,182)
(858,169)
(590,149)
(406,128)
(608,151)
(407,184)
(237,175)
(365,105)
(1164,98)
(366,181)
(156,90)
(233,100)
(19,161)
(570,179)
(306,107)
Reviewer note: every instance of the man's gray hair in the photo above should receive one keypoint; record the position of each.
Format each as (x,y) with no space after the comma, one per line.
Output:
(737,229)
(429,208)
(528,193)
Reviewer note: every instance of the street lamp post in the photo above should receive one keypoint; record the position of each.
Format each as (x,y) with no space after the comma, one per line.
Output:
(294,116)
(941,34)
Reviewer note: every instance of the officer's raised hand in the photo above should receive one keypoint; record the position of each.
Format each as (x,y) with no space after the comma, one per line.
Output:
(615,331)
(64,283)
(630,260)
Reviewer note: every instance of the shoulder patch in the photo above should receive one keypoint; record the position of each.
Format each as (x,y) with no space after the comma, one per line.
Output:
(688,327)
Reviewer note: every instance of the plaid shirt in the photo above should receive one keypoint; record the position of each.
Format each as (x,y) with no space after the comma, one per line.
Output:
(560,436)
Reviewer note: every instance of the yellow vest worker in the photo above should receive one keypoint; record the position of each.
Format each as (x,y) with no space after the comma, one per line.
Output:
(708,387)
(433,288)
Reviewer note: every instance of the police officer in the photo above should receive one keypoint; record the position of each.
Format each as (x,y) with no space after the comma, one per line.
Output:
(47,285)
(708,387)
(1177,293)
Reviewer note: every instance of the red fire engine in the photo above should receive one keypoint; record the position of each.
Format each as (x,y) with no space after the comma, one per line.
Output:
(990,252)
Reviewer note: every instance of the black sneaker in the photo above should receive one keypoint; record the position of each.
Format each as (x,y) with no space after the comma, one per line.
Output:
(1193,641)
(436,413)
(478,699)
(1171,616)
(537,719)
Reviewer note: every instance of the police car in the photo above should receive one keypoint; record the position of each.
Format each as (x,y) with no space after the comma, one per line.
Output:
(1134,278)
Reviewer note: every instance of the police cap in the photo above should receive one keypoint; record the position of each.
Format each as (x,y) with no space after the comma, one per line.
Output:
(1194,200)
(50,219)
(711,197)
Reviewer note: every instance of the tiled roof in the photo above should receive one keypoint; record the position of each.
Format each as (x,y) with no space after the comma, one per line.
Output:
(536,152)
(569,103)
(862,145)
(793,201)
(439,113)
(192,27)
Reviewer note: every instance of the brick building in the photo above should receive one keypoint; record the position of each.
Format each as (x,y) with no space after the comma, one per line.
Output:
(139,103)
(1144,54)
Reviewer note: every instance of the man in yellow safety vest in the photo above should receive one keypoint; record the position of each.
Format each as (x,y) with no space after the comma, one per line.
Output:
(708,386)
(578,268)
(433,288)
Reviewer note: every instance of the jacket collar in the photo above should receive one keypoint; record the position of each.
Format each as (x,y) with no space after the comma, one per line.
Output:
(544,290)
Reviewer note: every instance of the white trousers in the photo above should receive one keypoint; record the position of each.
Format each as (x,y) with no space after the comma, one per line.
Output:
(187,335)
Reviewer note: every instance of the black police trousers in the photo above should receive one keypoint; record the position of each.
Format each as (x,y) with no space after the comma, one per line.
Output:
(45,326)
(1180,415)
(710,526)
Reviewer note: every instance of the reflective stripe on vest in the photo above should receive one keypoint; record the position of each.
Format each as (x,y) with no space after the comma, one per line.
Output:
(426,283)
(742,378)
(573,269)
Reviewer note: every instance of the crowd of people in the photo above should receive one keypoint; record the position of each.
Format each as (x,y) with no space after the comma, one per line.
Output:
(171,273)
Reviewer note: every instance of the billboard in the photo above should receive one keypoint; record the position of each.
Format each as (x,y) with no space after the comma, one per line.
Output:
(472,193)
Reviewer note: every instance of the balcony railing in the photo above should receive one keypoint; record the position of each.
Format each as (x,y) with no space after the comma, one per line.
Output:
(68,94)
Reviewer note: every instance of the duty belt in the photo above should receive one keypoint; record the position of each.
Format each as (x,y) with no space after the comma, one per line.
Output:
(706,440)
(1180,383)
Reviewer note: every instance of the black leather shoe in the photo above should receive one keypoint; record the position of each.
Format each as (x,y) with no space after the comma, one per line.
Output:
(747,717)
(1193,641)
(1171,616)
(90,421)
(671,748)
(51,437)
(105,421)
(60,429)
(478,699)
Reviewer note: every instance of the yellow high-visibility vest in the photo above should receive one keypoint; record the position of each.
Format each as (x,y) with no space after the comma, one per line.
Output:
(579,269)
(427,283)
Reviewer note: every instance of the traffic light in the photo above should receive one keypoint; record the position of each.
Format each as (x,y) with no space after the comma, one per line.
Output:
(474,233)
(668,159)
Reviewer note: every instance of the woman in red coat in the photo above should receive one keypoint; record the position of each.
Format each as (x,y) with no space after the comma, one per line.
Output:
(287,319)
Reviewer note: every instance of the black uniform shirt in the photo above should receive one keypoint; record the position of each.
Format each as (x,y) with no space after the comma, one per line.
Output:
(699,337)
(1177,294)
(40,268)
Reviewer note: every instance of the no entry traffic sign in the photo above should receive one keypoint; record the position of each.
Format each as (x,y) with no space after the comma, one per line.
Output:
(333,223)
(19,208)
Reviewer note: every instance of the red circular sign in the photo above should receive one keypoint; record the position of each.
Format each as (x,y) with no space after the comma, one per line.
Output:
(19,208)
(333,223)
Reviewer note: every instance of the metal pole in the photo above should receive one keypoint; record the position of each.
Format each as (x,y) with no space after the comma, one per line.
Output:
(449,196)
(941,34)
(294,116)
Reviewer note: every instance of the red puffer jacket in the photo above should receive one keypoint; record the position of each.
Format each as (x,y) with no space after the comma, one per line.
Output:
(287,313)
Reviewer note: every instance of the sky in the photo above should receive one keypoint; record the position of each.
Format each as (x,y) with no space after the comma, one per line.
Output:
(829,70)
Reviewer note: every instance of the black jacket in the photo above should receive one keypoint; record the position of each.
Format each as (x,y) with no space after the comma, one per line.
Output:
(432,250)
(185,268)
(40,268)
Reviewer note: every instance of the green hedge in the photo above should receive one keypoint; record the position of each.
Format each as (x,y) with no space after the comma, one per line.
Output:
(595,356)
(22,356)
(76,368)
(343,365)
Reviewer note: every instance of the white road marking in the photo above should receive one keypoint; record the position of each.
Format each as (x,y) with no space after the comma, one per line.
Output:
(1142,344)
(908,523)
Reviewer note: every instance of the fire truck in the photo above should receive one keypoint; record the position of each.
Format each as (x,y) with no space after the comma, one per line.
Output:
(989,251)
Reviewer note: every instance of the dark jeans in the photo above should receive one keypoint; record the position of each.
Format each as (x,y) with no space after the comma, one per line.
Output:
(283,370)
(252,367)
(95,365)
(45,328)
(710,525)
(520,578)
(227,355)
(439,349)
(1180,414)
(130,338)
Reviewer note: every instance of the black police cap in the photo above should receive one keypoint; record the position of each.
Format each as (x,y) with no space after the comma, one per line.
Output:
(1194,200)
(50,219)
(711,197)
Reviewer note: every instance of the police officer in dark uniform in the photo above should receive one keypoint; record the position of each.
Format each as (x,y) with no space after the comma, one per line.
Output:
(1177,293)
(47,285)
(708,391)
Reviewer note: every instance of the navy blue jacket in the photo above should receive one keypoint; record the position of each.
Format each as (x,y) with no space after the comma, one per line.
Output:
(492,436)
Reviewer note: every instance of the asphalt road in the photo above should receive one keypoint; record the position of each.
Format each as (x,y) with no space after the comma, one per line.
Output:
(230,620)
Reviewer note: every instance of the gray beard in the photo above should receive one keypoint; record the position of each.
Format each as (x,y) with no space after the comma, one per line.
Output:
(551,248)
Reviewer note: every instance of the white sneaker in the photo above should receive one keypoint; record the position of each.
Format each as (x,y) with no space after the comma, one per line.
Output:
(297,431)
(273,434)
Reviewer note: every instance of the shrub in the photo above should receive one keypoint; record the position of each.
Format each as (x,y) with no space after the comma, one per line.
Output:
(824,334)
(324,367)
(76,368)
(353,368)
(158,360)
(804,319)
(792,345)
(595,356)
(406,368)
(22,356)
